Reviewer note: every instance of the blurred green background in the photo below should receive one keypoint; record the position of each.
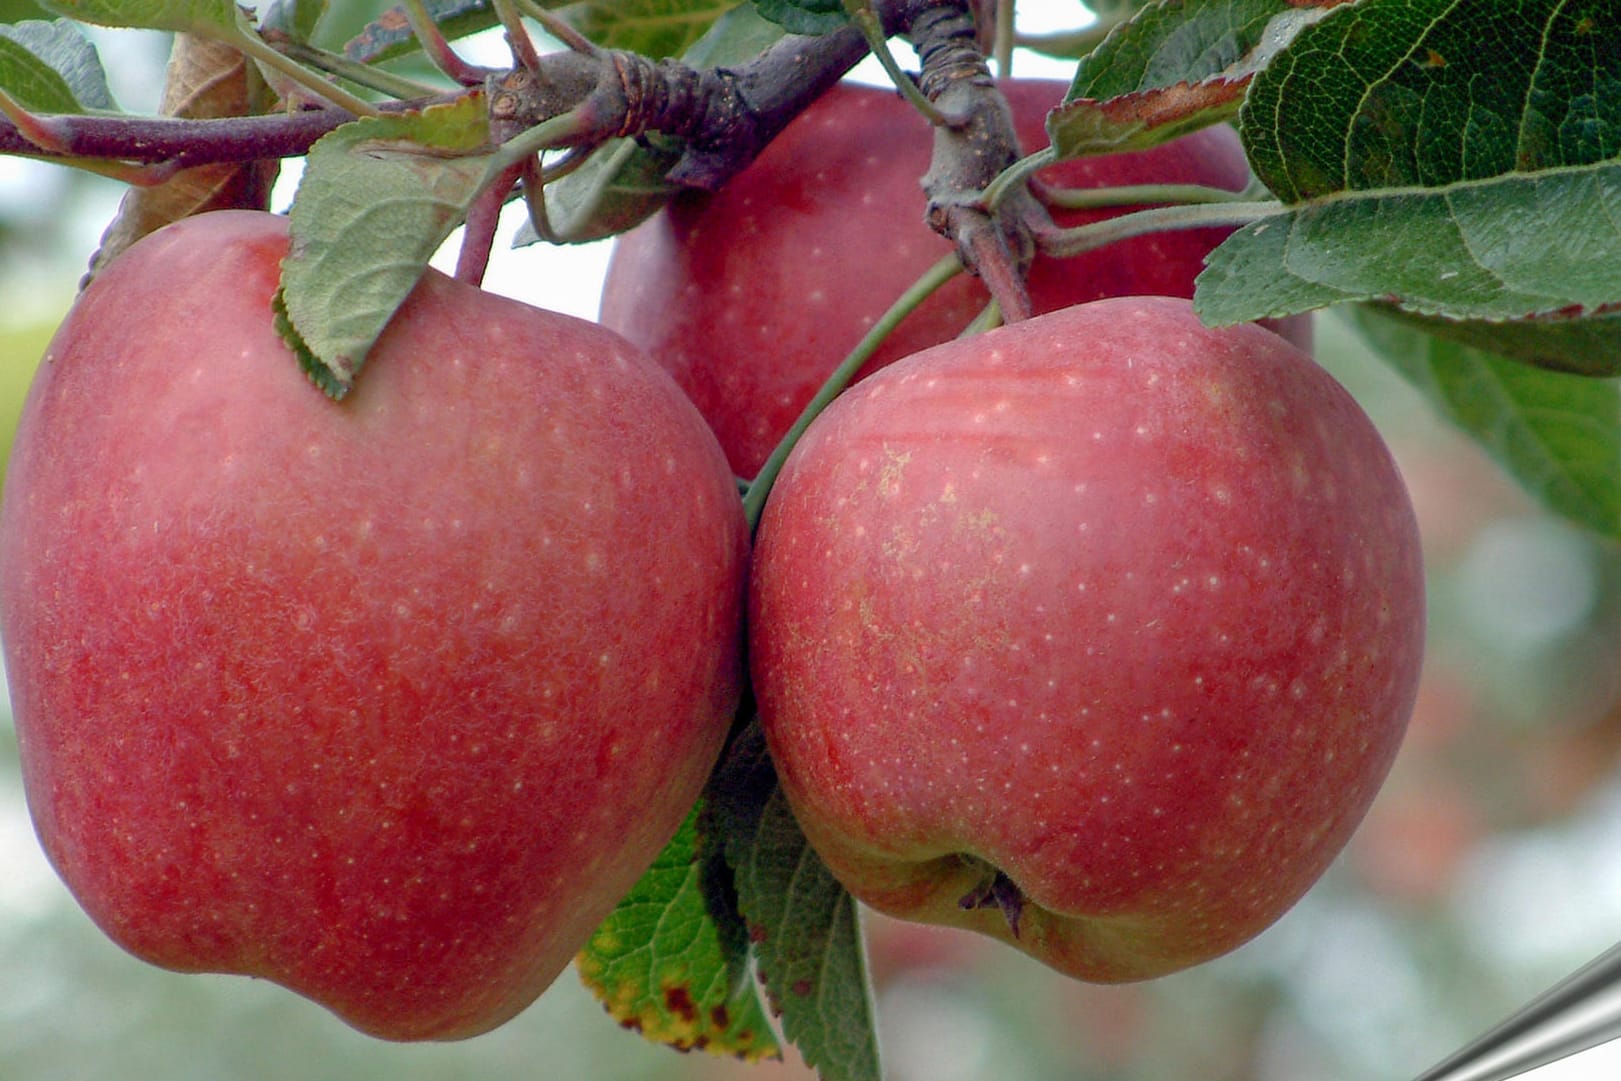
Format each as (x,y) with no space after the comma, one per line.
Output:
(1487,869)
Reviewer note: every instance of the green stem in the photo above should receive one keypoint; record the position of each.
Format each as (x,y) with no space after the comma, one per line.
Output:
(374,78)
(1068,44)
(570,38)
(1064,243)
(1002,44)
(1141,195)
(246,38)
(989,318)
(759,488)
(518,39)
(866,19)
(562,130)
(1015,176)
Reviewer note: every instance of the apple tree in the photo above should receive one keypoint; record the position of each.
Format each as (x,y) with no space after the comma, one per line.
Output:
(1442,175)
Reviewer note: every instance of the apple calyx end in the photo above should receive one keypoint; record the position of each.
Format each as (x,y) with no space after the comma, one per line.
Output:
(998,891)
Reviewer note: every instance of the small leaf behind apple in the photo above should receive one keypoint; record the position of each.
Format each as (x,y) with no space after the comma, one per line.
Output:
(1555,433)
(802,922)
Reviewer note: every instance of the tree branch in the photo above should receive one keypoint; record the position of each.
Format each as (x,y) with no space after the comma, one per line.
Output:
(724,117)
(185,142)
(970,151)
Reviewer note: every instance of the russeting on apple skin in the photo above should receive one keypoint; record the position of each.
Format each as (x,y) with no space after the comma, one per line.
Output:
(1097,633)
(387,700)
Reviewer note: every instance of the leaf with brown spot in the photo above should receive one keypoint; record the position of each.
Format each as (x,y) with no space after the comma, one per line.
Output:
(671,961)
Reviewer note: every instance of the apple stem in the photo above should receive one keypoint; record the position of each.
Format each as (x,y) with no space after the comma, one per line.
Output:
(1137,195)
(1064,243)
(483,218)
(865,16)
(373,78)
(754,496)
(438,49)
(996,267)
(1004,40)
(244,36)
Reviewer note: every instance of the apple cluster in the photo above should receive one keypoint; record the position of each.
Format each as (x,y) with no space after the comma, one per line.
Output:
(1096,633)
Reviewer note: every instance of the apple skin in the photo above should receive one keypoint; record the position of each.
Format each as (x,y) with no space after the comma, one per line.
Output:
(750,297)
(1126,608)
(387,701)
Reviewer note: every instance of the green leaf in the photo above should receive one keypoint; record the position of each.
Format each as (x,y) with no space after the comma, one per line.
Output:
(377,198)
(804,925)
(1398,94)
(16,11)
(51,67)
(736,37)
(805,16)
(1559,435)
(1585,346)
(1461,162)
(672,960)
(1172,68)
(180,16)
(1518,246)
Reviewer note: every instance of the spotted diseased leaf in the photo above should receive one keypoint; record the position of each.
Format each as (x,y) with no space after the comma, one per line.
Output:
(390,35)
(672,960)
(377,198)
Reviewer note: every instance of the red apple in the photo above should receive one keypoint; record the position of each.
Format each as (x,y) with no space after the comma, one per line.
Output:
(751,296)
(388,701)
(1096,633)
